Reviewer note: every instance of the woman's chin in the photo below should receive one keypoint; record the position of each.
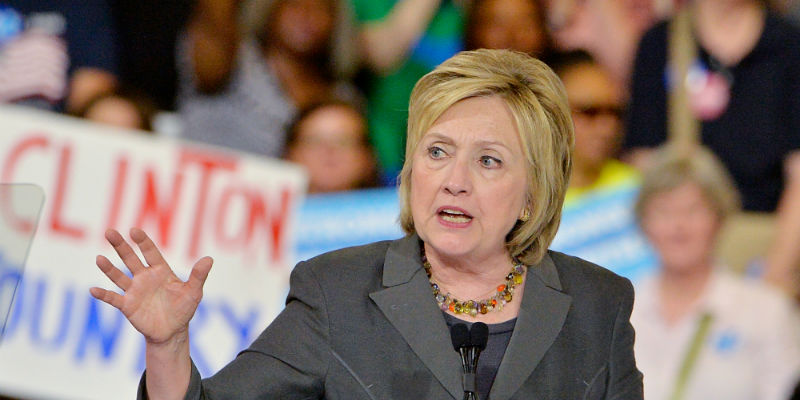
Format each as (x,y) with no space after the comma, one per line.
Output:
(451,246)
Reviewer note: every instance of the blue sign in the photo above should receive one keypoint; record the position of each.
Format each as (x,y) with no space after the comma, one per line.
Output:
(601,228)
(327,222)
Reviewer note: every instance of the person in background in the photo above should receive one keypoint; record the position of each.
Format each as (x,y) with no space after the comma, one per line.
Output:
(124,108)
(598,223)
(507,24)
(56,54)
(701,331)
(597,106)
(746,76)
(330,140)
(242,90)
(399,42)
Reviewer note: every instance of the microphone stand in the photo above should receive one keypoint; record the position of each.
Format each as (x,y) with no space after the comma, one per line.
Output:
(469,346)
(469,365)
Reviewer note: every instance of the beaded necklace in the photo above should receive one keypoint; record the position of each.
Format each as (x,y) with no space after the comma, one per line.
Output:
(502,296)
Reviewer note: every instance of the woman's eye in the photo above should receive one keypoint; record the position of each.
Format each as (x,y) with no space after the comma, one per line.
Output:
(436,152)
(490,162)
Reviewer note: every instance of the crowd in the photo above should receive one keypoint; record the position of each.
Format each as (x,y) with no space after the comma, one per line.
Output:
(695,102)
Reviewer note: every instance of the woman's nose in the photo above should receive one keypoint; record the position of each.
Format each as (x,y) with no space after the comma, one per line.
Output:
(458,180)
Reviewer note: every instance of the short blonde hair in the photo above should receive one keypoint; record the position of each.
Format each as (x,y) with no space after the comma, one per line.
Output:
(538,103)
(670,169)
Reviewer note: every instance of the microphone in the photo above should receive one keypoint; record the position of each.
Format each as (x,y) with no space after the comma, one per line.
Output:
(459,335)
(469,343)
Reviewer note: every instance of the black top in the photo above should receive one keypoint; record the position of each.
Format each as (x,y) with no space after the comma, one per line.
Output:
(489,360)
(761,123)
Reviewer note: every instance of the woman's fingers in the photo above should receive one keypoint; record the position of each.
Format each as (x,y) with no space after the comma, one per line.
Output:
(120,279)
(199,273)
(125,251)
(107,296)
(149,250)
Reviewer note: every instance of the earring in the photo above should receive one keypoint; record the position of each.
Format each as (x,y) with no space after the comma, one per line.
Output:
(526,215)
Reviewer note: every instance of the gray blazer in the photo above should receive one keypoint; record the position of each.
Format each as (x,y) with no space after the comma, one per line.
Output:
(361,323)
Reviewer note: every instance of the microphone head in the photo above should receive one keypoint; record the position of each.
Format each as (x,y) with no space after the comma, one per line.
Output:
(479,335)
(459,334)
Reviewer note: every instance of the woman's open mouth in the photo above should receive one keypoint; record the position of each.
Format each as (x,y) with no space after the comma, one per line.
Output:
(454,215)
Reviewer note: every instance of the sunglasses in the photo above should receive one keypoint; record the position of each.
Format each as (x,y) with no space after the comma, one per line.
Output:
(594,111)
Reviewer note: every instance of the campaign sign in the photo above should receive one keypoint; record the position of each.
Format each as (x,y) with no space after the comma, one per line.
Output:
(193,200)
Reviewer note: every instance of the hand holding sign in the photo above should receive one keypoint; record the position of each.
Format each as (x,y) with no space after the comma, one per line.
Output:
(156,302)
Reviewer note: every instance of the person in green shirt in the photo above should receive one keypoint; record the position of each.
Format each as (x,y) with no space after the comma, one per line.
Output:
(400,41)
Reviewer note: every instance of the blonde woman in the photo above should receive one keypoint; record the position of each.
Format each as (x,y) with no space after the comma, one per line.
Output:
(703,332)
(489,144)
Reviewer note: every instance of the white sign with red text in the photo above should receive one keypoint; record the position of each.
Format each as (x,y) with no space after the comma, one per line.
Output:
(193,200)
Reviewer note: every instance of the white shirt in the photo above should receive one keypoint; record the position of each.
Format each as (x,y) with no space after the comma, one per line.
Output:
(751,351)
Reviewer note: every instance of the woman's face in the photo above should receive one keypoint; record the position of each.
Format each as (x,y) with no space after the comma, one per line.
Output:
(331,145)
(469,179)
(303,26)
(509,24)
(596,105)
(682,225)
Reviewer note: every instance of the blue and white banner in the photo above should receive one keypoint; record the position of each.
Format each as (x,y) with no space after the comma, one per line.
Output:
(601,228)
(328,222)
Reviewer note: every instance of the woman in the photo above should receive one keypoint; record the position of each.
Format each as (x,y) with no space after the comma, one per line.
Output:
(241,91)
(330,141)
(489,158)
(701,331)
(743,86)
(597,105)
(744,80)
(598,221)
(507,24)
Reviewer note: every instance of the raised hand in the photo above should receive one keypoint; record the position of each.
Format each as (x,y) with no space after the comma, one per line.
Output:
(156,302)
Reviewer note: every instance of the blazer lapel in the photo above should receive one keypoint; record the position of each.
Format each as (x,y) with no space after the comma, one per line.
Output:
(408,304)
(542,314)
